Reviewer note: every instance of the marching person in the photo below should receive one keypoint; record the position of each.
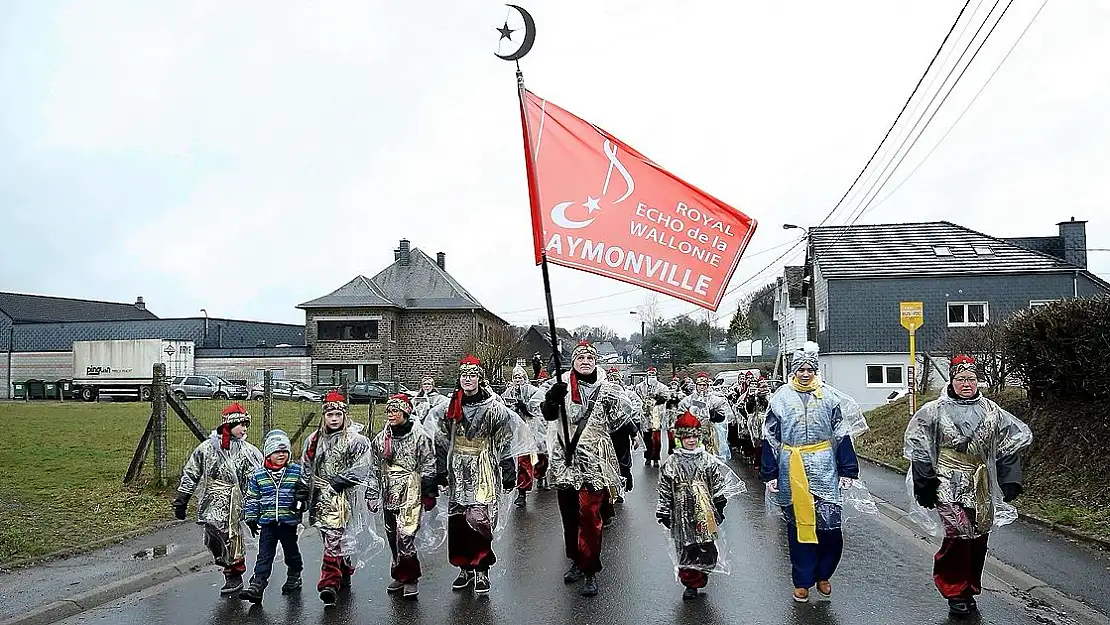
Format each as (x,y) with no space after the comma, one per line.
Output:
(694,487)
(275,501)
(654,395)
(627,435)
(537,365)
(224,463)
(402,485)
(429,397)
(963,451)
(336,457)
(710,408)
(807,459)
(676,396)
(519,398)
(477,441)
(584,469)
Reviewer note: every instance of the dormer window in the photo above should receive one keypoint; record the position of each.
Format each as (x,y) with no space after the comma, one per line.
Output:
(942,250)
(982,250)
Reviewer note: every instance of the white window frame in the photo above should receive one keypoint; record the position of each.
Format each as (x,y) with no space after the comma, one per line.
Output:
(885,383)
(822,320)
(968,324)
(1037,303)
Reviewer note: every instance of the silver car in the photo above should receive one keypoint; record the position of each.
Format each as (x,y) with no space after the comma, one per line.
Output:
(206,387)
(288,390)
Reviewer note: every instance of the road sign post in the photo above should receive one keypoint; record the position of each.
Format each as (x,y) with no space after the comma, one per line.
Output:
(912,315)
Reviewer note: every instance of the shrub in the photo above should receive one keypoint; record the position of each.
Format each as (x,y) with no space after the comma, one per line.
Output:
(1062,350)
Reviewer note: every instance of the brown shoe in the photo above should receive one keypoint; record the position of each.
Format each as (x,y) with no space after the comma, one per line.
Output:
(801,595)
(825,589)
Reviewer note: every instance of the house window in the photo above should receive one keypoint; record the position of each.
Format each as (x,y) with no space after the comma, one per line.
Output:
(822,319)
(1040,303)
(942,250)
(967,314)
(886,375)
(393,330)
(338,375)
(982,250)
(362,330)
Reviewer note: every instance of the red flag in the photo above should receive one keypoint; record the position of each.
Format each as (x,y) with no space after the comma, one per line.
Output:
(600,206)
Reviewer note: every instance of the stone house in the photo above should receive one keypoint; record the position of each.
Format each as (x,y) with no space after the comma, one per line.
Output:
(963,278)
(411,319)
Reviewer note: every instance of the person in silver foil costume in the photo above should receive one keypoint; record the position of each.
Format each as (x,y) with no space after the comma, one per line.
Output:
(531,470)
(625,438)
(585,468)
(654,395)
(223,463)
(429,397)
(964,466)
(694,487)
(336,456)
(402,485)
(478,439)
(710,408)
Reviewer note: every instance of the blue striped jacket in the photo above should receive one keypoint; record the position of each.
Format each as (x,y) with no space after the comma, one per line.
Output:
(272,495)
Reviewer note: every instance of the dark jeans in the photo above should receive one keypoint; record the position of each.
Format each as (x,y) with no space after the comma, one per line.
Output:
(269,536)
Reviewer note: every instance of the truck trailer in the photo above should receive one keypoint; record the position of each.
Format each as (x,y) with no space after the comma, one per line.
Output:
(125,369)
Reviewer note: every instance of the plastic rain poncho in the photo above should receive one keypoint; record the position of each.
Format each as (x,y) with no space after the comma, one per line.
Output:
(692,486)
(970,446)
(422,403)
(653,396)
(602,409)
(477,456)
(711,408)
(804,433)
(525,401)
(345,523)
(402,472)
(224,473)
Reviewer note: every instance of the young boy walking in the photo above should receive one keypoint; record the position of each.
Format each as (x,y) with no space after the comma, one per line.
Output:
(694,486)
(274,504)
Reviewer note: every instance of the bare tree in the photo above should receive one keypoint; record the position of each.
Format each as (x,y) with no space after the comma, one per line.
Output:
(497,351)
(986,345)
(650,312)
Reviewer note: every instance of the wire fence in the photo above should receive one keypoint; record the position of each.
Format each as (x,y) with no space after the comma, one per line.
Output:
(179,423)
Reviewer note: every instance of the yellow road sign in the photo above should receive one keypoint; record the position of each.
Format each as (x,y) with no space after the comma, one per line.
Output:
(912,315)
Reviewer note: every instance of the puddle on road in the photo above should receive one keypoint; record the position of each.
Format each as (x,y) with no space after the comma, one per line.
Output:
(153,553)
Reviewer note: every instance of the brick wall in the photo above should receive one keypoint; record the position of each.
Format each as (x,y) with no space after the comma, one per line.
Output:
(383,350)
(432,343)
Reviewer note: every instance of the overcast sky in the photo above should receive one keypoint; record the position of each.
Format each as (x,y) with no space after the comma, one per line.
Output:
(244,157)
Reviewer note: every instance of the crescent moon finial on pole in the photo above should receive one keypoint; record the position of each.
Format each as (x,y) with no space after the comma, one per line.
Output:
(529,35)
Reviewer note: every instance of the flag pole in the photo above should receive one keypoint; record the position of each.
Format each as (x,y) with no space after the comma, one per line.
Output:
(537,229)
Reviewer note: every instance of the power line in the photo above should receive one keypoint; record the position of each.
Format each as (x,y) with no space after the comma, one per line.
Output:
(899,116)
(962,113)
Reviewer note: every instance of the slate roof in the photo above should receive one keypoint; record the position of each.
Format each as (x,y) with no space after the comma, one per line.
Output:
(794,277)
(895,250)
(228,333)
(419,285)
(25,308)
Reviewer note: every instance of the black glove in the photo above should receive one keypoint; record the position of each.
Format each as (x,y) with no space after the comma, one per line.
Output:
(660,401)
(719,506)
(253,526)
(522,409)
(1010,491)
(339,483)
(557,394)
(441,479)
(508,474)
(925,492)
(664,520)
(180,503)
(299,506)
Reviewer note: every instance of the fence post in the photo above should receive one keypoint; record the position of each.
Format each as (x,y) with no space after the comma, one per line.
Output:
(267,401)
(158,411)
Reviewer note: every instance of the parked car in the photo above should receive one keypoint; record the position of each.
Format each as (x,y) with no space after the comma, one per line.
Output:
(288,390)
(388,384)
(726,379)
(206,387)
(368,392)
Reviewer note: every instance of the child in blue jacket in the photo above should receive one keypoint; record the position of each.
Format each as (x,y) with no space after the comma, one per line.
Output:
(273,505)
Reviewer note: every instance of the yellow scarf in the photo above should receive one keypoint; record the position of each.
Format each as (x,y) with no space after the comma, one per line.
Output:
(814,386)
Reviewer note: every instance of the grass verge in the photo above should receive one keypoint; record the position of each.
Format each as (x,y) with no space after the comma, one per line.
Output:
(1066,476)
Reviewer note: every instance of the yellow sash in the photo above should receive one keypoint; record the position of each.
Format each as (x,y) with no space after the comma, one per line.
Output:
(805,512)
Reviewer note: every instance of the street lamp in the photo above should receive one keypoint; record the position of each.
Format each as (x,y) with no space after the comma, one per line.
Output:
(808,283)
(643,354)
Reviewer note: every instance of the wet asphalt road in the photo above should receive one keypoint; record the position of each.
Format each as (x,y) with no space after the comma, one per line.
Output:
(884,578)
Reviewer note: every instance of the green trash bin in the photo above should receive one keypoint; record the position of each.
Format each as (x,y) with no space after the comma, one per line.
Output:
(35,389)
(65,389)
(49,390)
(19,390)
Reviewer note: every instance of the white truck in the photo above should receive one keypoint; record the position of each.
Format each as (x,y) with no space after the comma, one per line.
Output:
(126,368)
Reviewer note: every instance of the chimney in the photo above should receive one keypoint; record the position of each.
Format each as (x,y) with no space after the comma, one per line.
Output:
(139,303)
(441,260)
(1073,239)
(403,252)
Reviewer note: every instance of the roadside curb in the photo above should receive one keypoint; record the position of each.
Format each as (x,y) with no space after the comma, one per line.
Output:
(97,597)
(87,547)
(1092,541)
(1011,576)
